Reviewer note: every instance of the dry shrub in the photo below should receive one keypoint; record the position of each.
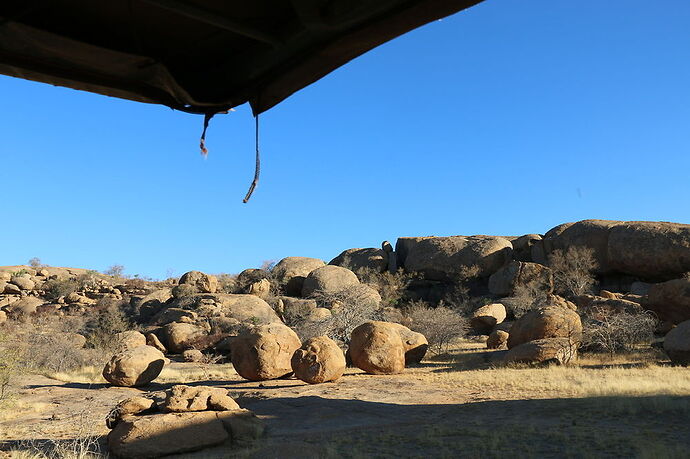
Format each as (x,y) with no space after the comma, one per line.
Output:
(56,288)
(227,283)
(11,363)
(617,332)
(391,286)
(350,307)
(525,298)
(572,270)
(83,444)
(116,271)
(459,297)
(440,325)
(108,318)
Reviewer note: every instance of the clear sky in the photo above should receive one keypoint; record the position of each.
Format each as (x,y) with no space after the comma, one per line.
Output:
(508,118)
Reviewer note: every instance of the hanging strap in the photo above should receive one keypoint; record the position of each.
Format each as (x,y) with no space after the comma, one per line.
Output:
(257,166)
(202,140)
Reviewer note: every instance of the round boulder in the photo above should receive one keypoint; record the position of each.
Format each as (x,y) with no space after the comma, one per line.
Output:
(487,317)
(180,336)
(498,339)
(130,339)
(290,273)
(204,283)
(677,343)
(369,258)
(547,322)
(318,360)
(328,279)
(134,367)
(670,300)
(264,352)
(377,348)
(415,344)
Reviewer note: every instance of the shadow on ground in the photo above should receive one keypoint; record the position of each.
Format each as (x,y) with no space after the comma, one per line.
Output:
(314,426)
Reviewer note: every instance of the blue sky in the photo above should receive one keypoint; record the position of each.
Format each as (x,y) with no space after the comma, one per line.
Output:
(508,118)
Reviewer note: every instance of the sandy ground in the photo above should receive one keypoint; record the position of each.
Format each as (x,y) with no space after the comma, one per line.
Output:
(435,409)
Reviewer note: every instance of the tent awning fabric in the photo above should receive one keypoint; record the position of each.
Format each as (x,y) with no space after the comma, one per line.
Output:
(200,56)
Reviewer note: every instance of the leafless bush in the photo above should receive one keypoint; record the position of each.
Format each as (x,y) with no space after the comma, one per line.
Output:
(615,332)
(572,270)
(84,443)
(525,298)
(110,318)
(296,314)
(35,262)
(350,307)
(391,286)
(459,297)
(11,359)
(440,325)
(227,283)
(115,271)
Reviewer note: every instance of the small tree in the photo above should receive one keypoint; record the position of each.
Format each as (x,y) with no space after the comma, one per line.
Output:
(441,326)
(115,271)
(350,307)
(391,286)
(572,270)
(35,262)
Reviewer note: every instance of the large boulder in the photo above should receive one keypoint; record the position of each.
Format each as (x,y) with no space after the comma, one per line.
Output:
(670,300)
(377,348)
(444,258)
(517,274)
(414,342)
(677,343)
(264,352)
(369,258)
(130,339)
(592,234)
(328,279)
(522,246)
(134,367)
(318,360)
(24,306)
(546,322)
(484,319)
(649,250)
(157,435)
(498,339)
(543,351)
(23,281)
(178,337)
(204,283)
(652,250)
(241,307)
(290,273)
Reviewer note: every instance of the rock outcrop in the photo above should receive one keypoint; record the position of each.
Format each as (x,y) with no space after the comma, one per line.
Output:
(443,258)
(189,419)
